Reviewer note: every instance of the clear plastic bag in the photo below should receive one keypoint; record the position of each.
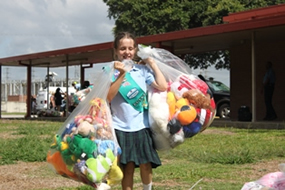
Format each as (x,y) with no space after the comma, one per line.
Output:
(85,148)
(185,109)
(270,181)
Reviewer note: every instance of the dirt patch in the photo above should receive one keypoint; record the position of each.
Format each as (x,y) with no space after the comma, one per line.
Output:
(257,170)
(38,175)
(29,176)
(215,131)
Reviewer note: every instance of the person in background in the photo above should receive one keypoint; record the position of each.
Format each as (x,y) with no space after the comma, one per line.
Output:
(33,105)
(76,86)
(130,120)
(268,89)
(86,88)
(58,99)
(52,101)
(69,99)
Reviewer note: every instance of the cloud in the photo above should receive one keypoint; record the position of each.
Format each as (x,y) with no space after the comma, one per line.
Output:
(29,26)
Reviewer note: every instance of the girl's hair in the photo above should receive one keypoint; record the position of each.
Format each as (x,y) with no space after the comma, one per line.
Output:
(122,35)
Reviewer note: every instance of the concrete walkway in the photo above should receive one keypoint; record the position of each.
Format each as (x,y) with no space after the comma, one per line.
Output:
(249,125)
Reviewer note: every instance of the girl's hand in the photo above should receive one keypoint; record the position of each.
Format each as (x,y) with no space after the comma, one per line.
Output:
(119,66)
(149,61)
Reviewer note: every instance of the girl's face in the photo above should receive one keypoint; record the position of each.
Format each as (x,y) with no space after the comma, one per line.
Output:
(126,49)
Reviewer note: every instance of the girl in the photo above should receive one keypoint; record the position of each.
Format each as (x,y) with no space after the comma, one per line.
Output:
(127,97)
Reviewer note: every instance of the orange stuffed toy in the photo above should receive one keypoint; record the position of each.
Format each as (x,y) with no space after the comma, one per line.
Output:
(59,165)
(180,109)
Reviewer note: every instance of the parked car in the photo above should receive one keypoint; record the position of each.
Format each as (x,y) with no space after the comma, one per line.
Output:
(221,94)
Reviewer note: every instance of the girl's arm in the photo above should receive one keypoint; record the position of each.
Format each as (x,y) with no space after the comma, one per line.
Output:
(114,88)
(160,82)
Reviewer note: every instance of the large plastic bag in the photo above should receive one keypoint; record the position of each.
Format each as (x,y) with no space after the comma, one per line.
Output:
(185,109)
(270,181)
(85,148)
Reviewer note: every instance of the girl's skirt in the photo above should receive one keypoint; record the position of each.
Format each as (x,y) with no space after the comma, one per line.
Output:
(137,147)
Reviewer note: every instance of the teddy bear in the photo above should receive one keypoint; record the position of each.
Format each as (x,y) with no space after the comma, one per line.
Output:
(164,137)
(85,129)
(198,99)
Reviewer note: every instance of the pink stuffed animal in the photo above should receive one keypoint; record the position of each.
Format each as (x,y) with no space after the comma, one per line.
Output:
(270,181)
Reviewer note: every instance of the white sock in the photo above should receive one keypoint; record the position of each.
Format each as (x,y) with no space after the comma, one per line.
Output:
(147,187)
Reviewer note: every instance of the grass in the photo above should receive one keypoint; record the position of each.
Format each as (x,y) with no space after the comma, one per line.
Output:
(220,157)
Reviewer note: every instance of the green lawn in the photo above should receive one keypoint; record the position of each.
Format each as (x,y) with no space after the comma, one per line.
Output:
(221,158)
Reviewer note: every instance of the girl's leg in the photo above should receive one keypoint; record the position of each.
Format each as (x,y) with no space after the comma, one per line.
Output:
(146,174)
(128,178)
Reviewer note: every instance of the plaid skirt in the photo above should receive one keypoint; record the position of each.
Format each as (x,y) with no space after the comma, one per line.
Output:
(137,147)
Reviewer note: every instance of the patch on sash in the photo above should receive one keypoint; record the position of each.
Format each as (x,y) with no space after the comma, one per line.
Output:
(132,93)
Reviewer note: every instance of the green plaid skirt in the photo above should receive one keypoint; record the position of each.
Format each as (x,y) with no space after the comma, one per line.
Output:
(137,147)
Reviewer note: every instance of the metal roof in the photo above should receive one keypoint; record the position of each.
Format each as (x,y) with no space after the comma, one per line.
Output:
(268,24)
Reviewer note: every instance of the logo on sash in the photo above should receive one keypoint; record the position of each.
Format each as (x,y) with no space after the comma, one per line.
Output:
(132,93)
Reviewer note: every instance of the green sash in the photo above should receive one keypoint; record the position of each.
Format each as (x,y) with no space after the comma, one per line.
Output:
(133,94)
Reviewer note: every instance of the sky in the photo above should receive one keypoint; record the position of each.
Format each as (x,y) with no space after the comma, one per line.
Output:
(31,26)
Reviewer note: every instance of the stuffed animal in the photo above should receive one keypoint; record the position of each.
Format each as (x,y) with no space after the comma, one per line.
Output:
(270,181)
(63,147)
(193,82)
(97,168)
(85,129)
(186,114)
(79,169)
(58,143)
(80,118)
(159,120)
(68,129)
(199,96)
(178,89)
(198,99)
(115,174)
(59,165)
(171,102)
(81,148)
(103,145)
(98,108)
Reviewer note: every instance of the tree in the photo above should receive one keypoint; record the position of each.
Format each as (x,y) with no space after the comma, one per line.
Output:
(145,17)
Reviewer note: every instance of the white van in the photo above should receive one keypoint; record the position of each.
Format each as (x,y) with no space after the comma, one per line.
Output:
(43,98)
